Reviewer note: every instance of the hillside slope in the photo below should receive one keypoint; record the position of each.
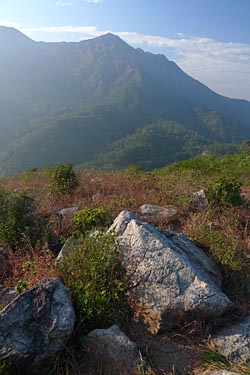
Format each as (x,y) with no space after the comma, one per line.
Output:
(66,101)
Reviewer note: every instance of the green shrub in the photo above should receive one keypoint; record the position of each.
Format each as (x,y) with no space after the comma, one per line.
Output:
(93,273)
(88,219)
(224,191)
(21,285)
(63,179)
(17,218)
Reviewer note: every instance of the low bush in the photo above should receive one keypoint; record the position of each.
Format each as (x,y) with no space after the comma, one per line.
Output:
(17,218)
(88,219)
(224,191)
(94,275)
(63,179)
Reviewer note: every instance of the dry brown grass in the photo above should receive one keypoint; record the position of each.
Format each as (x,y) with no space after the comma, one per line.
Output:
(116,191)
(176,353)
(27,268)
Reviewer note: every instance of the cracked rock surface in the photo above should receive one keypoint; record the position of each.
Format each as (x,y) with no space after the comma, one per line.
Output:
(166,281)
(36,324)
(234,342)
(198,257)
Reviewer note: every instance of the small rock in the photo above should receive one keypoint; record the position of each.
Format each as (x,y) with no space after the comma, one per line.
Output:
(234,342)
(112,352)
(67,211)
(200,199)
(70,244)
(36,324)
(150,211)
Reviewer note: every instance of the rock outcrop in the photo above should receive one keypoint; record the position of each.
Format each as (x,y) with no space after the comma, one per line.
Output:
(36,324)
(70,244)
(166,285)
(150,211)
(67,211)
(200,199)
(234,342)
(112,352)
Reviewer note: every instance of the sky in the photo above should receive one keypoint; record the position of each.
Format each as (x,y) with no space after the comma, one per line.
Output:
(208,39)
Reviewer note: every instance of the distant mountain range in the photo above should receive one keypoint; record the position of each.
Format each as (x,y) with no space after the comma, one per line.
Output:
(103,103)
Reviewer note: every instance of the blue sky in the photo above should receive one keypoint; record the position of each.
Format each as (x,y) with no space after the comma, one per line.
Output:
(209,39)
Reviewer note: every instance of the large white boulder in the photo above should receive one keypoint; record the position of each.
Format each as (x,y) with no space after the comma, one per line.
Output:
(167,283)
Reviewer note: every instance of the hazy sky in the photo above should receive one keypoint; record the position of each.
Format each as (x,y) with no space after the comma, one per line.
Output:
(209,39)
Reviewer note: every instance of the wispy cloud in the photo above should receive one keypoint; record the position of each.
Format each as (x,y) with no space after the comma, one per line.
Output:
(69,3)
(93,1)
(64,3)
(9,24)
(83,30)
(223,66)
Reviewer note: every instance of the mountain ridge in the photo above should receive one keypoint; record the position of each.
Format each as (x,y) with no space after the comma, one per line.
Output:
(104,90)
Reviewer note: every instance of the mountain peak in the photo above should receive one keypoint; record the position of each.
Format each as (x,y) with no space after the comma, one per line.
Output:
(10,34)
(110,38)
(108,42)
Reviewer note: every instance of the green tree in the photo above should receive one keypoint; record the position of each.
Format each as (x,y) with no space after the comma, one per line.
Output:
(63,179)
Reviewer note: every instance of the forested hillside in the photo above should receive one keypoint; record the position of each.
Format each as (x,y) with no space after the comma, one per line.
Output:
(68,101)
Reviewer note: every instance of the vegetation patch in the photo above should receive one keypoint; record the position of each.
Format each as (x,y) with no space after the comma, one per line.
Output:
(17,218)
(225,191)
(63,179)
(217,233)
(94,275)
(93,271)
(88,219)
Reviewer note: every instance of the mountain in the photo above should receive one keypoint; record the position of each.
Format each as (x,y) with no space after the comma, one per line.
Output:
(77,102)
